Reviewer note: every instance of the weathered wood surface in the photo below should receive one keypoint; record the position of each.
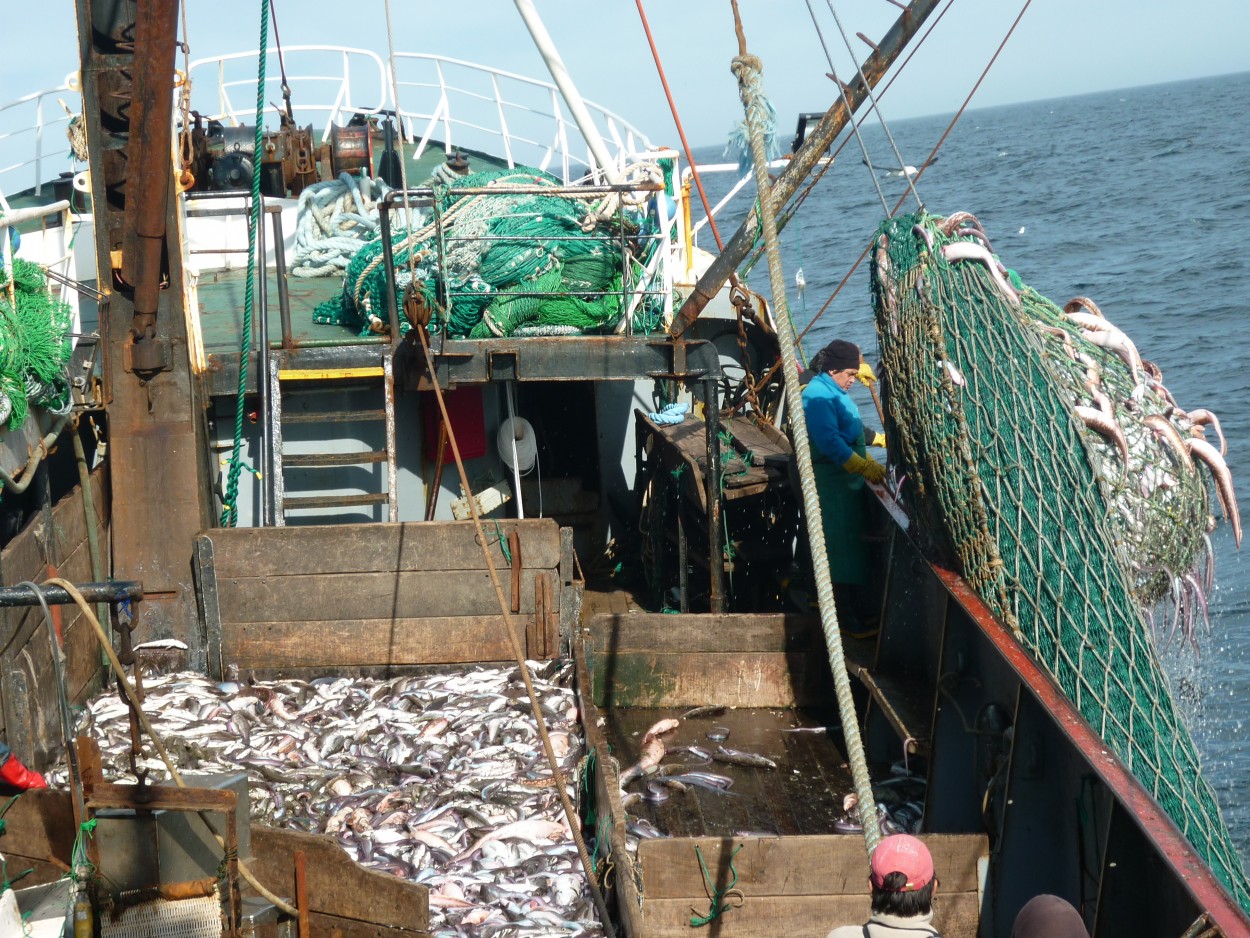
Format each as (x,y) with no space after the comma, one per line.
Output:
(337,885)
(350,643)
(378,595)
(609,830)
(364,548)
(795,886)
(685,660)
(955,916)
(402,594)
(39,833)
(816,865)
(28,687)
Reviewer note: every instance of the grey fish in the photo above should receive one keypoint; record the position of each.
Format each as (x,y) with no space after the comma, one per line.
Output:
(713,710)
(738,757)
(708,780)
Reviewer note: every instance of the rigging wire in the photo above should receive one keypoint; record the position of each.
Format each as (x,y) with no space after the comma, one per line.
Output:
(936,147)
(799,199)
(694,169)
(847,103)
(875,108)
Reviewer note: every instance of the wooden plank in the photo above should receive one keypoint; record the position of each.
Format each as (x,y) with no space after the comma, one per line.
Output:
(337,885)
(39,825)
(365,642)
(321,925)
(701,632)
(954,916)
(734,679)
(815,865)
(329,549)
(391,595)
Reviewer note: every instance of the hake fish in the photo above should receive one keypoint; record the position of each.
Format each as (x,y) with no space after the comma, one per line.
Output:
(738,757)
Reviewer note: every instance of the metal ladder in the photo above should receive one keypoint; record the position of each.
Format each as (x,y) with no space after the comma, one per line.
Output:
(323,380)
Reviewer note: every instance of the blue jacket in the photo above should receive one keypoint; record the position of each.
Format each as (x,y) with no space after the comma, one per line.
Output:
(833,423)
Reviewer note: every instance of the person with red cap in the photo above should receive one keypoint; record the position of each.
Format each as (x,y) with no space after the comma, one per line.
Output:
(13,773)
(902,892)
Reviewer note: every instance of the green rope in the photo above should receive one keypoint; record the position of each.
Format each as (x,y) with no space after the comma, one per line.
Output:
(230,510)
(717,907)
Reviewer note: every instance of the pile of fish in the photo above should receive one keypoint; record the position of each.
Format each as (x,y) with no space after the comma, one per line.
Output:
(440,779)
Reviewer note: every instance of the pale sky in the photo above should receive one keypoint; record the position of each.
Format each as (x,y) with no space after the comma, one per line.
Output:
(1060,48)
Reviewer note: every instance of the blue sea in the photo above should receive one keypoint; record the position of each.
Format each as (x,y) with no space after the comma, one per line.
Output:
(1134,198)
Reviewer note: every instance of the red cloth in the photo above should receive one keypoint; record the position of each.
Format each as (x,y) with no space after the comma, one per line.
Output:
(464,409)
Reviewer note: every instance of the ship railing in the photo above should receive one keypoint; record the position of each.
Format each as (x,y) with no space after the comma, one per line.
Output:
(519,119)
(33,142)
(453,102)
(329,85)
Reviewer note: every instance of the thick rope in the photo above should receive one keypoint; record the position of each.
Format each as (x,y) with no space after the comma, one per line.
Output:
(230,510)
(747,69)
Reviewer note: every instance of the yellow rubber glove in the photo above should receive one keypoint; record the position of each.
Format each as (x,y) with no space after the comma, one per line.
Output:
(878,439)
(866,374)
(865,466)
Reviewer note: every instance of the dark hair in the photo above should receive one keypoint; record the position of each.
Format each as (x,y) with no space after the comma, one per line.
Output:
(891,900)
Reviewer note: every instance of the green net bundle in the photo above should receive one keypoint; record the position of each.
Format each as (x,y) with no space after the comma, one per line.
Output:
(34,345)
(999,480)
(508,264)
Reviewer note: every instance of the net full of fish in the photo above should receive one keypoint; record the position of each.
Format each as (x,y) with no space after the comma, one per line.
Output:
(440,779)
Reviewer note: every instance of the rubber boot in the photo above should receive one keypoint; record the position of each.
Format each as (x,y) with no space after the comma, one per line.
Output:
(12,772)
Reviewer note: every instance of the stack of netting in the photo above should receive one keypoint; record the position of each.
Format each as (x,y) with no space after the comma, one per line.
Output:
(34,345)
(514,263)
(999,481)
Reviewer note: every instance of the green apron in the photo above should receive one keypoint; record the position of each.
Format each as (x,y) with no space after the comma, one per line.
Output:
(842,516)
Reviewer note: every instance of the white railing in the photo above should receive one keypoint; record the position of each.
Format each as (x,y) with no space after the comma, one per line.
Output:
(518,119)
(459,104)
(328,85)
(33,143)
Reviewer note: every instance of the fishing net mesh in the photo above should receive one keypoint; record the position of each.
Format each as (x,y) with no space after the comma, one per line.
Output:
(508,264)
(999,482)
(34,345)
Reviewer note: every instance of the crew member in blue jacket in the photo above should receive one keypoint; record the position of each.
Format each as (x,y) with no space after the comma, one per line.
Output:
(841,464)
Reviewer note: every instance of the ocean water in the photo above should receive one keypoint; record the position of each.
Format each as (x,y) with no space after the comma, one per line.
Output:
(1134,198)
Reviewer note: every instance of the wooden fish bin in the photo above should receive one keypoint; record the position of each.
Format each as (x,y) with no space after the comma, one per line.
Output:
(310,599)
(767,847)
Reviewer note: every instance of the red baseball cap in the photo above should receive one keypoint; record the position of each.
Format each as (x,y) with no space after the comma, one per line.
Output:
(902,853)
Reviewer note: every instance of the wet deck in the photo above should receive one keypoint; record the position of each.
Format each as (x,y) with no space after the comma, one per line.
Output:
(803,795)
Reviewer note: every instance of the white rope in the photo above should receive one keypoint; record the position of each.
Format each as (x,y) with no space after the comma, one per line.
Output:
(747,68)
(333,220)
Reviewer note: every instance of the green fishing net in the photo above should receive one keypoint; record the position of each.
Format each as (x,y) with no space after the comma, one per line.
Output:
(514,263)
(34,345)
(1064,531)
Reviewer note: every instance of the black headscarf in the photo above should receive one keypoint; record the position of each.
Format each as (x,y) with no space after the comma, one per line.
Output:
(838,355)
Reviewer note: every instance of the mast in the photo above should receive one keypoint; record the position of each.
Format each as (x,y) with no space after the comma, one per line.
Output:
(157,435)
(874,69)
(564,81)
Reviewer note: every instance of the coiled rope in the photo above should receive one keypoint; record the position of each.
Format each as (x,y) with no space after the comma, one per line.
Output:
(747,69)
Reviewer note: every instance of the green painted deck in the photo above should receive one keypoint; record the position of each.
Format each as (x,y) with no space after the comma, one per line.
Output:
(222,296)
